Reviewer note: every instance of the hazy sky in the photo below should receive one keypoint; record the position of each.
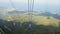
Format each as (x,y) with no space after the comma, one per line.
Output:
(39,4)
(36,1)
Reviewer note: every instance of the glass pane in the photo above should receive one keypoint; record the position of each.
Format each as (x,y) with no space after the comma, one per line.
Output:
(29,16)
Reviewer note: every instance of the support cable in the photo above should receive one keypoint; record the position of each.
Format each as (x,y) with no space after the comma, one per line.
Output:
(30,9)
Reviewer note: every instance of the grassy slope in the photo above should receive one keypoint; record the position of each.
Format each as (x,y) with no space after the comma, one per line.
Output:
(40,20)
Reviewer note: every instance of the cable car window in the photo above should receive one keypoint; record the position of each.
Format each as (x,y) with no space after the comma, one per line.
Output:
(29,16)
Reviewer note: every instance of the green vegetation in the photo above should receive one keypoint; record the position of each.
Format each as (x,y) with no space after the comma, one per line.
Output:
(19,23)
(22,28)
(40,20)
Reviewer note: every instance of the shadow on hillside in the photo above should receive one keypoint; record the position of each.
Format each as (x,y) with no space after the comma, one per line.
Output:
(50,14)
(13,27)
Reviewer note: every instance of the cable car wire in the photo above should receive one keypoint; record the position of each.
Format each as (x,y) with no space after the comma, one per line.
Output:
(12,4)
(30,8)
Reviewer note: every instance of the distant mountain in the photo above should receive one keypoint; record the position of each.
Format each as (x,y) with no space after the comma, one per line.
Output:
(57,16)
(36,13)
(17,12)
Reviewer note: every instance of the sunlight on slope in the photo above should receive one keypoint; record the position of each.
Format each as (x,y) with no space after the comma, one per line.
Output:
(39,20)
(42,20)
